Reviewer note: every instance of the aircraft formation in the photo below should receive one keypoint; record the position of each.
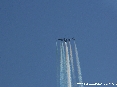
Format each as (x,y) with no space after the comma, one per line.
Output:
(64,39)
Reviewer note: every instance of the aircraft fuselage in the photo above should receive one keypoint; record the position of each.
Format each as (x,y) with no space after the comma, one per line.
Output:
(64,39)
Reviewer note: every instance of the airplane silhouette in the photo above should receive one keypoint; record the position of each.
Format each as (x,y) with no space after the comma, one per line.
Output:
(64,39)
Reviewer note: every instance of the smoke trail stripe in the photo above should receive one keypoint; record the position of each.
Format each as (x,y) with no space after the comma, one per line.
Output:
(68,66)
(78,65)
(58,77)
(61,67)
(64,65)
(72,66)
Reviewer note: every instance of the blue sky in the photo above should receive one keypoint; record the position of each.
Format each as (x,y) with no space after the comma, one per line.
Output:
(29,30)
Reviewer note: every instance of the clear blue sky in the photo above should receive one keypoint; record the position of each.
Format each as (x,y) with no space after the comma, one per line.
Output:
(30,28)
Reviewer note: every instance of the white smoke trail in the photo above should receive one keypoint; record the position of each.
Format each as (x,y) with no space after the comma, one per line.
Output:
(57,66)
(67,71)
(65,66)
(68,67)
(78,66)
(61,68)
(72,66)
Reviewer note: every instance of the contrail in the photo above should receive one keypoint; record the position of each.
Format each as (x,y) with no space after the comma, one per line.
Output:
(67,73)
(78,66)
(65,66)
(58,68)
(68,66)
(61,67)
(72,66)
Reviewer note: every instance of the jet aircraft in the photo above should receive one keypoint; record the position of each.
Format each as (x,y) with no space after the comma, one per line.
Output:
(73,38)
(64,39)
